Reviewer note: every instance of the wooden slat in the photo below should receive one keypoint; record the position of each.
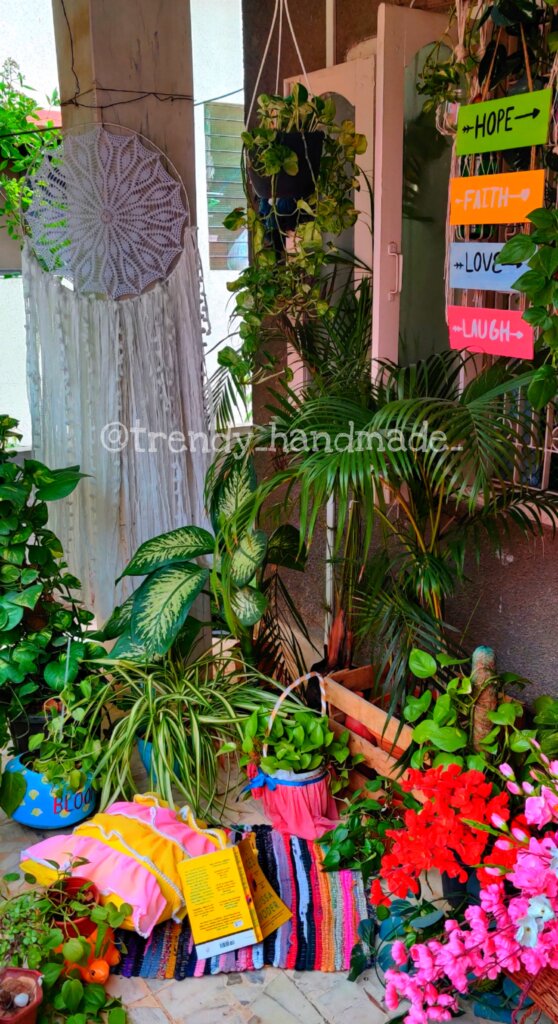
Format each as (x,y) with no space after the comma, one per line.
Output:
(375,757)
(383,728)
(355,678)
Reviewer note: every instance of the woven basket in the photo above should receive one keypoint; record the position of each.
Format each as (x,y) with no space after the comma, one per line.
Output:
(542,989)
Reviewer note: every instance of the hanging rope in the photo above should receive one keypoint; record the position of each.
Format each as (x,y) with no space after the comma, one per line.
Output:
(296,46)
(281,10)
(279,49)
(263,60)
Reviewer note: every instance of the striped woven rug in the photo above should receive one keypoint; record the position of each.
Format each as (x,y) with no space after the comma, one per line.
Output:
(326,906)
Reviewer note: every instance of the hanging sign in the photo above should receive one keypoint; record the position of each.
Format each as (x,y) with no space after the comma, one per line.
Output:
(472,265)
(496,332)
(496,198)
(508,123)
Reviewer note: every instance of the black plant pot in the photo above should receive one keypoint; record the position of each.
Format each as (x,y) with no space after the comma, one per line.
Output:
(24,725)
(308,148)
(459,894)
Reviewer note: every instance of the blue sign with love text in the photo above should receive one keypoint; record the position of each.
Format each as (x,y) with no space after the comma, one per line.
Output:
(473,266)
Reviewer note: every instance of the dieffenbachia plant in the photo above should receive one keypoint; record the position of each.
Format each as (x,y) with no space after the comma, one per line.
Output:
(159,612)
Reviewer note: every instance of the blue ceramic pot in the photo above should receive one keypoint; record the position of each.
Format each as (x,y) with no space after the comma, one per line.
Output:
(43,807)
(145,751)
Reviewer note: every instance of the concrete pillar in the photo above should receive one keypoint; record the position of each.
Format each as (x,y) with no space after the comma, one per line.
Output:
(112,52)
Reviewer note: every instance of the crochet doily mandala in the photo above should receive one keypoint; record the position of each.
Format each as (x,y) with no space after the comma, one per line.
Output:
(105,213)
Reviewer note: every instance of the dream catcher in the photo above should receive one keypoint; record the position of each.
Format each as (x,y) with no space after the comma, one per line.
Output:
(115,316)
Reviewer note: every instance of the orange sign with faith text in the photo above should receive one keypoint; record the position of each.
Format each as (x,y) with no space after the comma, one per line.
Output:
(496,198)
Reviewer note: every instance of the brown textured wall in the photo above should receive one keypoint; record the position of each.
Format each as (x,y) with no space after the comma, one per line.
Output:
(308,18)
(511,604)
(354,22)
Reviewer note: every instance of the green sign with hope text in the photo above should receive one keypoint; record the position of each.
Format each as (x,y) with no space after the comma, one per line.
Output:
(510,123)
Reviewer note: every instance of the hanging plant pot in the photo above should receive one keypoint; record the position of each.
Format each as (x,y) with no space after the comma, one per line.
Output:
(43,806)
(21,994)
(308,148)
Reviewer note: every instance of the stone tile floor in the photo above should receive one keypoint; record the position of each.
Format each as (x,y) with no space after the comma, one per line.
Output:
(270,996)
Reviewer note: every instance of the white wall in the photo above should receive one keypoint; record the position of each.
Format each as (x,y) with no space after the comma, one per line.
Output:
(27,35)
(218,69)
(13,390)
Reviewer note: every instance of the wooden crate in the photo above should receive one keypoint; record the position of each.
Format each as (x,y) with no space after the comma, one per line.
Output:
(391,739)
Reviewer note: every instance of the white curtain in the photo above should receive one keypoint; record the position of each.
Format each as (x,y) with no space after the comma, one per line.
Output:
(105,377)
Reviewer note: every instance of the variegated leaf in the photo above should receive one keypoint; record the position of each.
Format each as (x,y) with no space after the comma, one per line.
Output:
(248,557)
(177,546)
(118,622)
(248,605)
(125,649)
(162,603)
(232,492)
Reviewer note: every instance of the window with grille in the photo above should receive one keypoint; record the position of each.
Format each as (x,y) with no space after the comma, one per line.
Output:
(228,250)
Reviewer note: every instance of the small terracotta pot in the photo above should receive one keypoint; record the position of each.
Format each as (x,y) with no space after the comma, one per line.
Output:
(16,980)
(71,888)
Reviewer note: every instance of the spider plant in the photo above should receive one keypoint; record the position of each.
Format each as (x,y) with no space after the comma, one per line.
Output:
(425,499)
(187,712)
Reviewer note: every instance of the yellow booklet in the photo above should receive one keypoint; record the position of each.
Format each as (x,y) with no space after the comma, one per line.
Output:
(229,900)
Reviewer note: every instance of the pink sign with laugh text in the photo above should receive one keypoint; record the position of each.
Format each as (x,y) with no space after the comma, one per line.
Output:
(497,332)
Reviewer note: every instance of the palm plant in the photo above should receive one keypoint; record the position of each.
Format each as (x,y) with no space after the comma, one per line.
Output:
(187,712)
(424,499)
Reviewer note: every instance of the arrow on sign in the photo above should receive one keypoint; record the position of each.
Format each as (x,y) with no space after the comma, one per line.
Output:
(524,195)
(458,266)
(460,330)
(532,113)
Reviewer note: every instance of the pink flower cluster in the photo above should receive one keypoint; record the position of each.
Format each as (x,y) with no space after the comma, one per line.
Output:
(512,928)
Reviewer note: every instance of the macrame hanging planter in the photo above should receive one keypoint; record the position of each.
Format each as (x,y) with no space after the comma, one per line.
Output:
(115,315)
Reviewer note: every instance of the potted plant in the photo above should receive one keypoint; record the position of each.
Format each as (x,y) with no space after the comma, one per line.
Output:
(296,763)
(34,936)
(21,995)
(72,899)
(243,580)
(445,716)
(284,150)
(51,784)
(413,443)
(307,180)
(42,622)
(361,839)
(186,715)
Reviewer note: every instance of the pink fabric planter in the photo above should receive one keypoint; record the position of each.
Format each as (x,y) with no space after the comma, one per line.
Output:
(298,805)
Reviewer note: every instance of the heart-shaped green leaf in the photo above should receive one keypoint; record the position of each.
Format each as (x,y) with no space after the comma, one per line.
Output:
(445,737)
(422,664)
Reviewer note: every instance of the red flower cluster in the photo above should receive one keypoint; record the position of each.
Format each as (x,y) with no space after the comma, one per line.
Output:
(437,836)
